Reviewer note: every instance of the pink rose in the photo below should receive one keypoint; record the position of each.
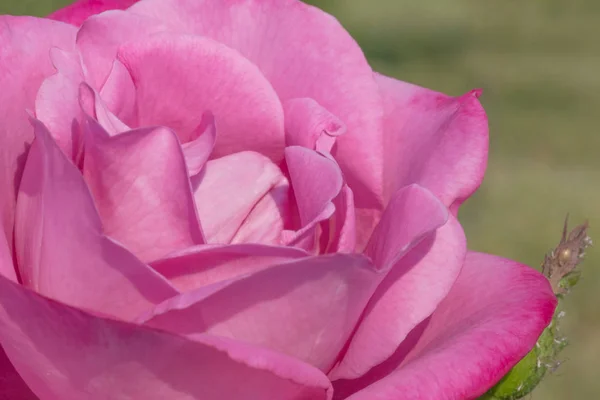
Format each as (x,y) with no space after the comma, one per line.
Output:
(206,199)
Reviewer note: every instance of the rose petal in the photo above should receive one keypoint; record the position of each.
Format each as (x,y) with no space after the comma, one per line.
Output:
(306,308)
(408,295)
(57,106)
(437,141)
(24,64)
(107,120)
(79,11)
(140,185)
(342,226)
(266,221)
(67,63)
(11,383)
(7,267)
(64,353)
(204,265)
(252,177)
(309,125)
(287,41)
(491,318)
(118,93)
(199,149)
(61,250)
(413,213)
(100,37)
(317,180)
(178,78)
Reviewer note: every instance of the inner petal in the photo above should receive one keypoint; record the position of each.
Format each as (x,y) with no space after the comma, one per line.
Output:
(239,197)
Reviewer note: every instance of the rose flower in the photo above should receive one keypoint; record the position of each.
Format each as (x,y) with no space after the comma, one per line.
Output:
(219,199)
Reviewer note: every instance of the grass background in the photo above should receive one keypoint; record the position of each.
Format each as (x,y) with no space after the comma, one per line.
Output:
(539,64)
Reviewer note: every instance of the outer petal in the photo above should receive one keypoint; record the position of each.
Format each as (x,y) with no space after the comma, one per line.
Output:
(25,44)
(231,187)
(409,294)
(205,265)
(63,353)
(306,308)
(60,246)
(303,52)
(437,141)
(178,78)
(11,384)
(491,318)
(140,184)
(7,267)
(79,11)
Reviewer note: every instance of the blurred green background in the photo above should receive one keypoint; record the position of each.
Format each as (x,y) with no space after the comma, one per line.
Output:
(539,63)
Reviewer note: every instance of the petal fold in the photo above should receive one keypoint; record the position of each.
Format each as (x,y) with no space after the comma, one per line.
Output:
(204,265)
(229,193)
(179,77)
(411,291)
(140,185)
(305,308)
(317,180)
(24,64)
(61,249)
(412,213)
(65,353)
(491,318)
(435,140)
(309,125)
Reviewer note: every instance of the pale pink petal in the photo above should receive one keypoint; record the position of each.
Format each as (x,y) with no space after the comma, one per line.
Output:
(409,294)
(306,308)
(491,318)
(61,250)
(67,63)
(24,64)
(106,119)
(57,107)
(80,10)
(58,103)
(317,180)
(94,107)
(309,125)
(140,185)
(118,93)
(64,353)
(303,52)
(437,141)
(268,218)
(100,37)
(198,150)
(204,265)
(231,187)
(178,78)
